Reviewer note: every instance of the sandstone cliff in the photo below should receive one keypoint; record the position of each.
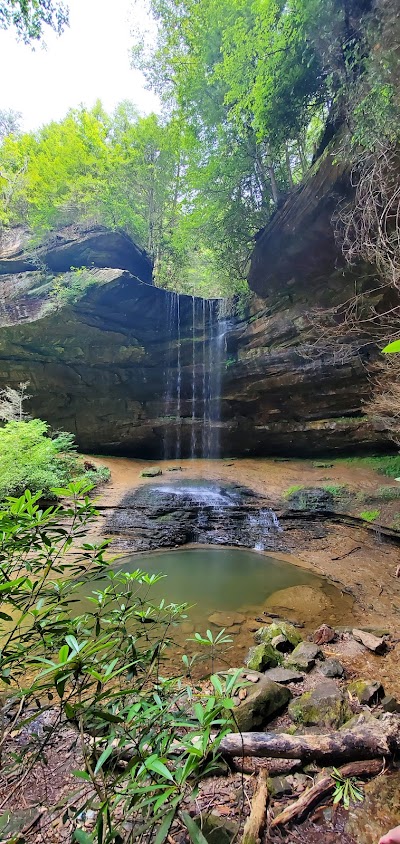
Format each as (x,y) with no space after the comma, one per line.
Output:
(100,363)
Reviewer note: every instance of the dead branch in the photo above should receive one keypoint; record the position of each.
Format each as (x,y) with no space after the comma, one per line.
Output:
(256,820)
(313,795)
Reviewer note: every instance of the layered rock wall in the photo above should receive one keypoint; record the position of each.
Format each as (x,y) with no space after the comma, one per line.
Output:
(99,363)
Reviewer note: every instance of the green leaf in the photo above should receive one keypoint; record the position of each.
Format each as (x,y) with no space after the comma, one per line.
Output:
(195,834)
(81,775)
(103,758)
(165,827)
(392,348)
(82,837)
(72,642)
(158,767)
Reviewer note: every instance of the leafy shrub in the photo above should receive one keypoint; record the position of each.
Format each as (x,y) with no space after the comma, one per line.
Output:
(386,464)
(69,287)
(31,458)
(337,490)
(387,493)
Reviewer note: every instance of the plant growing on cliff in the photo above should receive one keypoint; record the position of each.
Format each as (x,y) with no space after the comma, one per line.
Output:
(30,457)
(12,403)
(146,739)
(68,288)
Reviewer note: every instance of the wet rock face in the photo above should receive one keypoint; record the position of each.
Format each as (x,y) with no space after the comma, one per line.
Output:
(168,514)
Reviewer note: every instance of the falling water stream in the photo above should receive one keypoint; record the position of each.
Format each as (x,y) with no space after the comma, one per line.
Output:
(193,378)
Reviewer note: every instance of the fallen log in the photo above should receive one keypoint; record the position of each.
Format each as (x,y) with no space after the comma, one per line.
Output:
(302,806)
(258,813)
(368,739)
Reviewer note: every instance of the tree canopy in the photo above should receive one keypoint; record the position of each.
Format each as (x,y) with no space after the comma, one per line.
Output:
(248,88)
(29,17)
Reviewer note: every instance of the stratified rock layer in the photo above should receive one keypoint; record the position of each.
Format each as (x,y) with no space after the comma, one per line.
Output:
(100,364)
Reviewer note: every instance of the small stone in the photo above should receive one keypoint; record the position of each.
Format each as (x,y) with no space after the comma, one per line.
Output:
(226,619)
(262,657)
(283,675)
(242,694)
(151,472)
(366,691)
(371,642)
(278,786)
(324,635)
(331,668)
(303,657)
(390,704)
(252,678)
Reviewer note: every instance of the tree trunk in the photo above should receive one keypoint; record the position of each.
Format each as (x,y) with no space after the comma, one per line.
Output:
(288,167)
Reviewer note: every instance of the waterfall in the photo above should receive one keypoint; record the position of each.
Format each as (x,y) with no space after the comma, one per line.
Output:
(169,379)
(178,446)
(193,437)
(193,379)
(260,526)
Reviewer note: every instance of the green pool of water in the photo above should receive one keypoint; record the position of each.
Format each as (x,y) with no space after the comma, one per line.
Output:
(219,578)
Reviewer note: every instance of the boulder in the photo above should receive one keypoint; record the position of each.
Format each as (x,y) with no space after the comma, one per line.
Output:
(305,602)
(331,668)
(390,704)
(283,675)
(278,628)
(324,706)
(371,642)
(366,691)
(264,699)
(303,657)
(262,657)
(151,472)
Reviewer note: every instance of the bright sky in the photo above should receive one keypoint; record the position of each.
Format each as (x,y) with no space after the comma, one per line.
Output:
(89,61)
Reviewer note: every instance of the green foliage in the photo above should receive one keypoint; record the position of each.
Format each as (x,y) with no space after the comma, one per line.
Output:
(28,17)
(291,489)
(369,515)
(386,464)
(337,490)
(347,790)
(69,287)
(386,493)
(101,671)
(31,458)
